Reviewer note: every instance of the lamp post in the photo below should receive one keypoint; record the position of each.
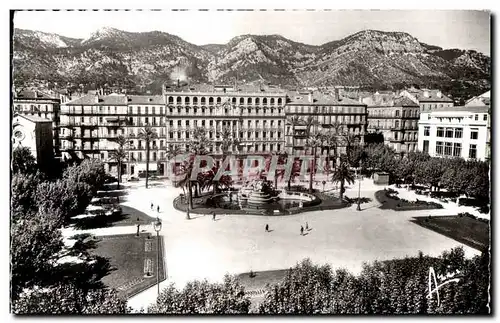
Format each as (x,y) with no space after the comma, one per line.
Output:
(157,227)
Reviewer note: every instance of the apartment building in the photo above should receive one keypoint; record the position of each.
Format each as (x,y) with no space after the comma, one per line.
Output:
(91,124)
(428,99)
(483,100)
(396,117)
(455,132)
(253,115)
(39,104)
(321,111)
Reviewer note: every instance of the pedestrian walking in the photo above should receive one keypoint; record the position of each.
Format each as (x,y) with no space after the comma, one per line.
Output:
(307,226)
(158,209)
(267,227)
(213,216)
(152,206)
(301,230)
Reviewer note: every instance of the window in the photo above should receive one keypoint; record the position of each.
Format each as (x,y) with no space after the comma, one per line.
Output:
(426,146)
(457,149)
(473,151)
(396,124)
(153,110)
(449,132)
(171,123)
(397,113)
(440,132)
(171,135)
(178,123)
(473,133)
(485,117)
(476,117)
(187,123)
(458,132)
(396,135)
(187,134)
(447,148)
(439,148)
(427,131)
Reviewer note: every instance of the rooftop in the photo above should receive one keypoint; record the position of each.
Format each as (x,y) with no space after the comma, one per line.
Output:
(321,98)
(427,95)
(471,109)
(33,118)
(388,100)
(32,95)
(116,99)
(230,88)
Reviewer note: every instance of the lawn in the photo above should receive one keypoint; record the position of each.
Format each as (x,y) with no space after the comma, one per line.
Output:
(394,203)
(471,232)
(130,257)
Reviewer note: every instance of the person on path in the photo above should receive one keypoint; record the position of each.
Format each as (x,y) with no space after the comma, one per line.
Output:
(267,227)
(307,226)
(301,230)
(158,209)
(213,216)
(152,206)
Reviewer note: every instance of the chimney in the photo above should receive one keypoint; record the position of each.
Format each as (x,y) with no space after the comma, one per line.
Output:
(35,94)
(311,97)
(97,97)
(439,94)
(426,94)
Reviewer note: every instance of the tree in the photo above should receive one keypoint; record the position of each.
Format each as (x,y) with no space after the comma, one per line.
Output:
(23,195)
(293,122)
(405,170)
(430,172)
(314,141)
(89,171)
(171,152)
(69,299)
(147,134)
(119,155)
(35,244)
(305,290)
(202,297)
(23,161)
(342,175)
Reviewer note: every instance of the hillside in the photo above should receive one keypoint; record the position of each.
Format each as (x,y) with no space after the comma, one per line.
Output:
(142,61)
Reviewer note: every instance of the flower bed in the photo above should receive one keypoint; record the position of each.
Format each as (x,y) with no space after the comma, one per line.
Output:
(390,201)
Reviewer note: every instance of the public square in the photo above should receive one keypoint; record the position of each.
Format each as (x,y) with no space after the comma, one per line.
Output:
(202,248)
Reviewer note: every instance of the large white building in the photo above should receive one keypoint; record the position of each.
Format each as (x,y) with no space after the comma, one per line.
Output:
(455,132)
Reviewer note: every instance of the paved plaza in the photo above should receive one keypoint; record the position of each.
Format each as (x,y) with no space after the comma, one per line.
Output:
(201,248)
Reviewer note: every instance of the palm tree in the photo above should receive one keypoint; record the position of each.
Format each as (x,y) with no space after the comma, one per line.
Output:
(171,152)
(293,122)
(119,155)
(147,134)
(343,175)
(314,141)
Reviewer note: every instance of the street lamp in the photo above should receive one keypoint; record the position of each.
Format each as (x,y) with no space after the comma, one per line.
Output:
(157,227)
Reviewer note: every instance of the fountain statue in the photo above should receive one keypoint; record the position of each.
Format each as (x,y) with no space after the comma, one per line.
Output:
(257,192)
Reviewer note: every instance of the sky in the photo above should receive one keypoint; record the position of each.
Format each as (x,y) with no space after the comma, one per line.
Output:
(464,29)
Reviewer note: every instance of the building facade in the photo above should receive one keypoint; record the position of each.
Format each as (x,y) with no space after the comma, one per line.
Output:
(455,132)
(315,111)
(35,133)
(36,103)
(396,117)
(253,116)
(427,99)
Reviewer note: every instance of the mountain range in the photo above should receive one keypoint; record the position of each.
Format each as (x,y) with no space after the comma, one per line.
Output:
(143,61)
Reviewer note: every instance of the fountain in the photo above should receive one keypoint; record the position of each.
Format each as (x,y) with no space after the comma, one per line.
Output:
(260,194)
